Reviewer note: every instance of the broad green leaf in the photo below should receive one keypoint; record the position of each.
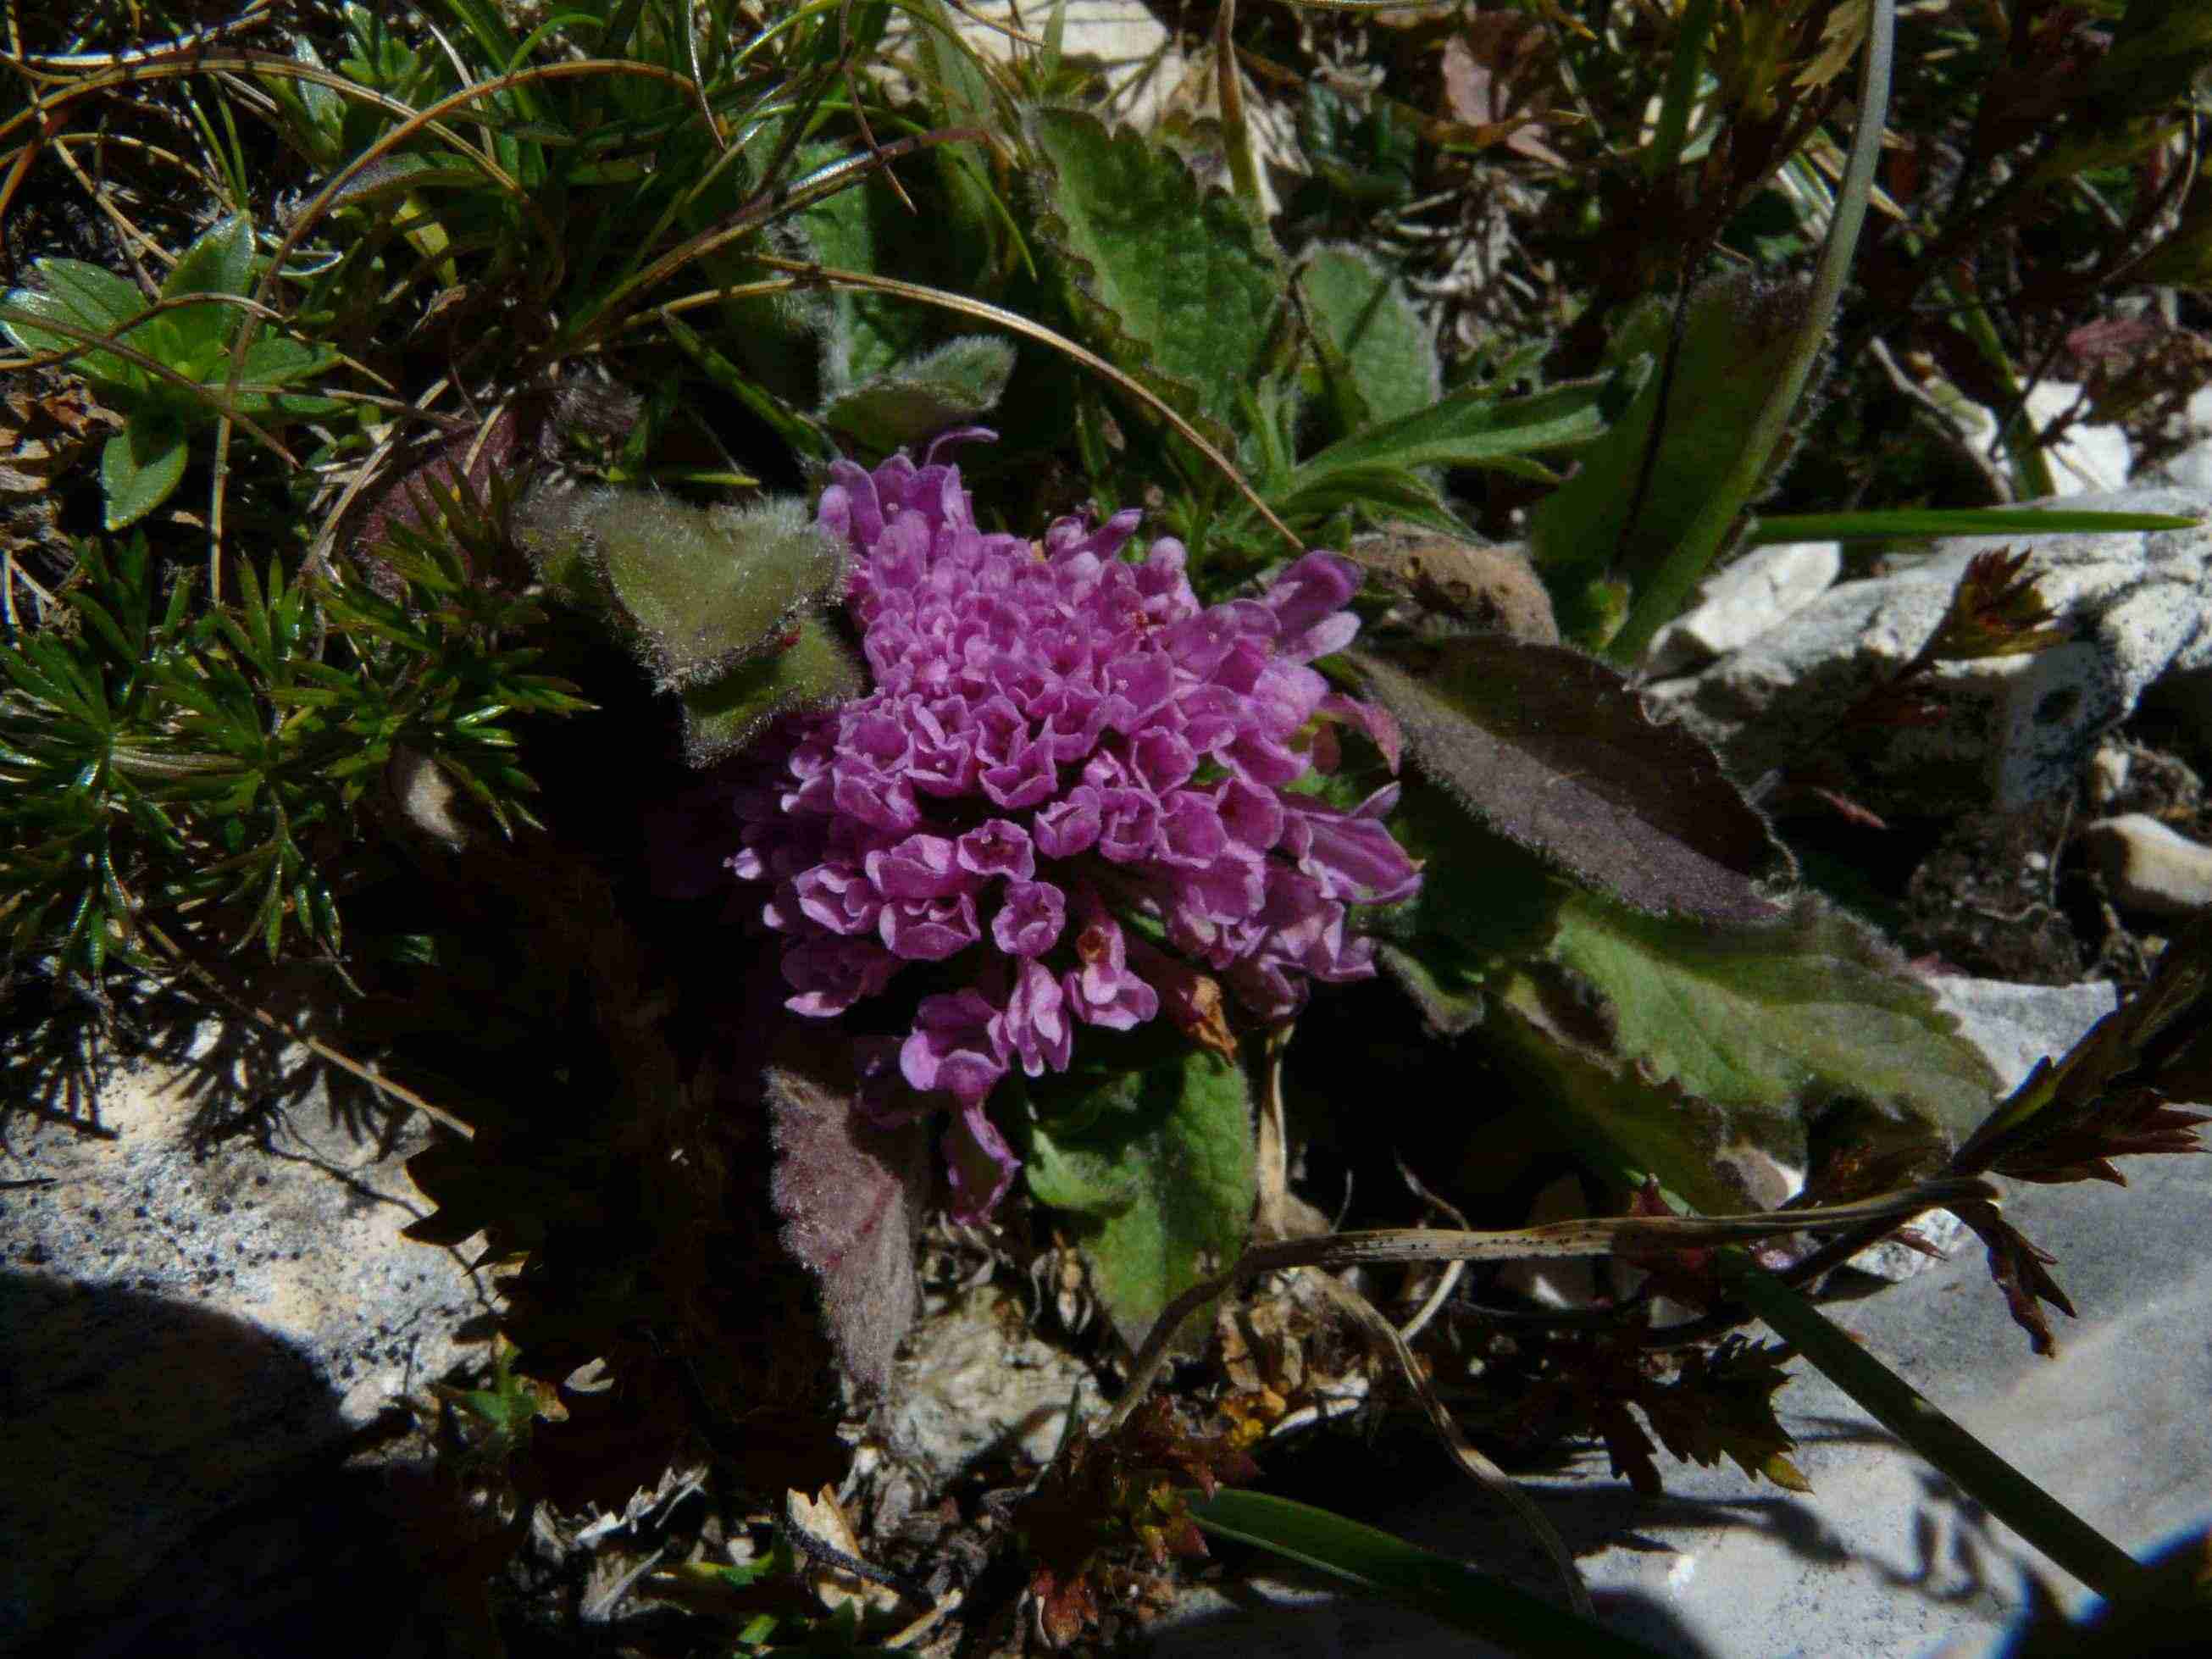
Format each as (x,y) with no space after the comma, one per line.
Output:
(1631,503)
(1785,1019)
(722,716)
(25,309)
(219,261)
(141,465)
(1448,1590)
(1553,751)
(1475,426)
(700,589)
(98,299)
(274,359)
(1156,1163)
(944,388)
(1360,311)
(1175,285)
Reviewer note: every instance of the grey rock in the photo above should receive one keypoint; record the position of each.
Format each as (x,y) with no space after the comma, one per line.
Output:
(974,1382)
(2148,867)
(1743,601)
(2013,729)
(188,1320)
(2016,1025)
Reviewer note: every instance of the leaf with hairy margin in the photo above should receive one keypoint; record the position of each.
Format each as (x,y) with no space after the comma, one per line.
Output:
(1177,286)
(815,670)
(921,397)
(1625,1121)
(698,590)
(1785,1019)
(1552,751)
(852,1197)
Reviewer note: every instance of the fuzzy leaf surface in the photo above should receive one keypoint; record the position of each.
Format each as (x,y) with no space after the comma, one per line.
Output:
(1776,1019)
(701,589)
(947,388)
(852,1196)
(1552,751)
(722,716)
(1177,286)
(1156,1164)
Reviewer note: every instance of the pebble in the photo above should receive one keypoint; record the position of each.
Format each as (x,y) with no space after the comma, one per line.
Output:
(2150,867)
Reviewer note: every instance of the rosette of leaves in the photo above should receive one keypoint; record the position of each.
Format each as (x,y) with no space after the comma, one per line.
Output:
(166,367)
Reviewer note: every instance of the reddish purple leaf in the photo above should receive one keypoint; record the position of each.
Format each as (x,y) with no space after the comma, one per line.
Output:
(852,1196)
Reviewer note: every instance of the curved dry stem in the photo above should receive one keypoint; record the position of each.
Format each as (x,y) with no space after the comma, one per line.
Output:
(37,66)
(1387,1338)
(1589,1237)
(998,315)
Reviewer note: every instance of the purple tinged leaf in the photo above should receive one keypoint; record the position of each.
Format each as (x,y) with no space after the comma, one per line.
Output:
(1553,749)
(851,1195)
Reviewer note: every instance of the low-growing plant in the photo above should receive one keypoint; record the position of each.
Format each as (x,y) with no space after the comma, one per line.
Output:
(1030,790)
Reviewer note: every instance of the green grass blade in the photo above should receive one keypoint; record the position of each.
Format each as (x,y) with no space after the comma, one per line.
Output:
(1906,1413)
(1914,524)
(1447,1590)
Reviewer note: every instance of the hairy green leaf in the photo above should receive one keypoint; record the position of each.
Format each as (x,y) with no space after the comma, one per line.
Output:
(700,589)
(916,400)
(1177,288)
(1158,1165)
(722,716)
(1785,1019)
(1552,751)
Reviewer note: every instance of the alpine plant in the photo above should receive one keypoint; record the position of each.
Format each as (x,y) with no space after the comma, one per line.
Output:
(1060,741)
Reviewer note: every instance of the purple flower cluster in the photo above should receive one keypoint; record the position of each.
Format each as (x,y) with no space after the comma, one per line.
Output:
(1059,736)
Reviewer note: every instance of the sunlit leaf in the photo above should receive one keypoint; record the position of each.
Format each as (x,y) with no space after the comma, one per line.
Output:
(1156,1164)
(141,465)
(816,670)
(1179,288)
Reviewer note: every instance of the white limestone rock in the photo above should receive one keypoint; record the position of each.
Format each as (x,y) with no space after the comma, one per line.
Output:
(1743,601)
(2150,866)
(2013,729)
(2086,461)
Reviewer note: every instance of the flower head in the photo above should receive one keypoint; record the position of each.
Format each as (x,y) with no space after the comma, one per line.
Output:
(1059,738)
